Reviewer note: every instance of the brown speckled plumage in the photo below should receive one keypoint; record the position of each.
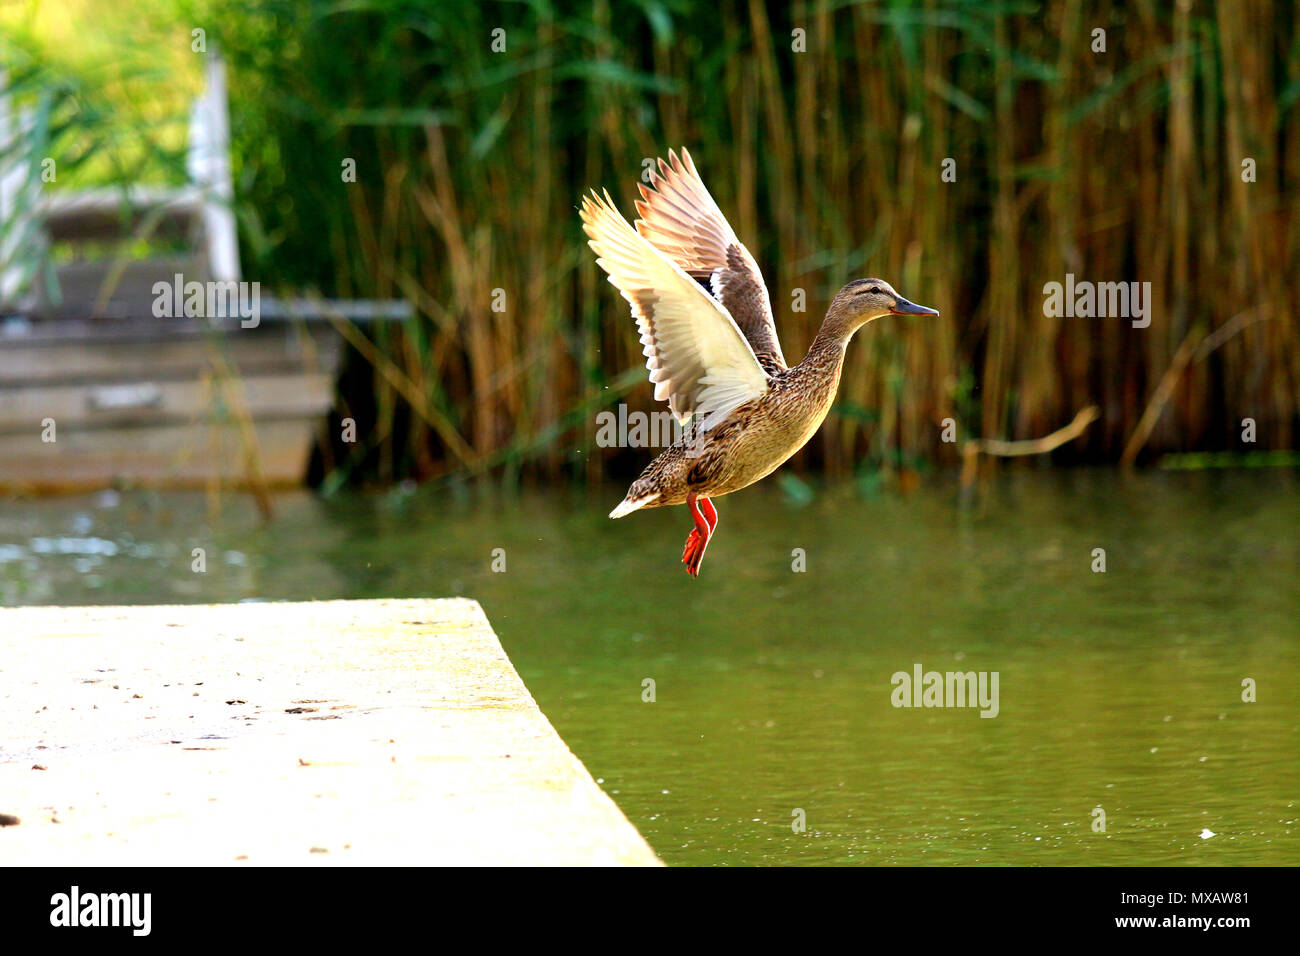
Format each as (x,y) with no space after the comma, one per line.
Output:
(754,440)
(711,345)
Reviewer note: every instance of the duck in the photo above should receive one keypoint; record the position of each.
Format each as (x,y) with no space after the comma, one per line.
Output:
(705,320)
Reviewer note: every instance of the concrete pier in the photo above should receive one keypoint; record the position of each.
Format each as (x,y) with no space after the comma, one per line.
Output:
(324,733)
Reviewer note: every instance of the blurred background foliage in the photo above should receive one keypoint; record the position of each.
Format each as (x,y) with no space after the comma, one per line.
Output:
(1122,165)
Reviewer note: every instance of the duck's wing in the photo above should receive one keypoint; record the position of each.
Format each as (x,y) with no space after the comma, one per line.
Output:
(697,357)
(681,220)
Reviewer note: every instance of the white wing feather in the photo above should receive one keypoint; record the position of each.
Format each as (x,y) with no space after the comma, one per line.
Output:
(681,219)
(698,359)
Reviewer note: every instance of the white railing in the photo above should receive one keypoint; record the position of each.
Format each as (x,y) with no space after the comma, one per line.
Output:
(27,212)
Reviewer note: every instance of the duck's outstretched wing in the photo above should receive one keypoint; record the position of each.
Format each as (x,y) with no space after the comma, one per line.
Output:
(681,220)
(697,357)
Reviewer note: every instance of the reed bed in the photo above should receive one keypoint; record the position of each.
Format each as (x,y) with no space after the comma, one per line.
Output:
(1122,165)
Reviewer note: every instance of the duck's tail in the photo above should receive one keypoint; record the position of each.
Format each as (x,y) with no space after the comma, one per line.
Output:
(630,504)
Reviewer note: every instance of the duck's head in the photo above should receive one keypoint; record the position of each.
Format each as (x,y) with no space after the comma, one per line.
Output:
(865,299)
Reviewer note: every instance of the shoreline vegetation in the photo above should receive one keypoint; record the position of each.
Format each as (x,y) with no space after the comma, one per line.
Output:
(973,153)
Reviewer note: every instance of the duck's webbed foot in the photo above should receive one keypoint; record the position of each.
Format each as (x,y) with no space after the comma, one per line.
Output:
(706,519)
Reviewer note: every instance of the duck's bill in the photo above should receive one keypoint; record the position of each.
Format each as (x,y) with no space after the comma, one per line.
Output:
(903,307)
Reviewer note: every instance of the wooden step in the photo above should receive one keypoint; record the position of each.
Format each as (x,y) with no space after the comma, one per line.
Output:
(162,402)
(99,355)
(167,455)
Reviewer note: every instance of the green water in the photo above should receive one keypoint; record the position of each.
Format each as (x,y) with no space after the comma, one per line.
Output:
(1120,690)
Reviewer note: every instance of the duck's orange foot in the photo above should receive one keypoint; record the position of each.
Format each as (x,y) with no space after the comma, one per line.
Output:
(693,553)
(706,519)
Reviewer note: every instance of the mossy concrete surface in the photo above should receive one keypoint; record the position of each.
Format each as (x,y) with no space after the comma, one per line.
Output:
(337,732)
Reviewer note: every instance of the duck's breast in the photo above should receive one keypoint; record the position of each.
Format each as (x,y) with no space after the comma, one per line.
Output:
(778,426)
